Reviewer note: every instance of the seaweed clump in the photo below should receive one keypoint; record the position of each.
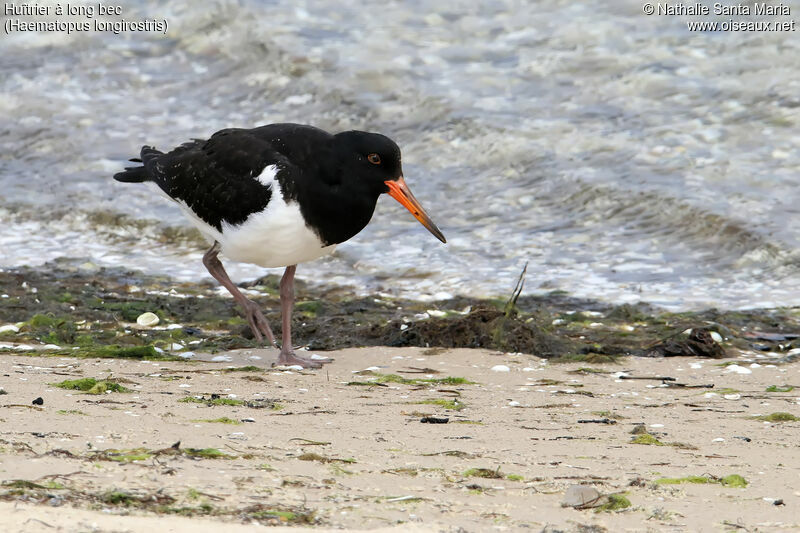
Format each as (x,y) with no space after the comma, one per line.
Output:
(483,327)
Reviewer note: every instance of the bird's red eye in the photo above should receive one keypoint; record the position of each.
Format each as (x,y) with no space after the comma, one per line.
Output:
(375,159)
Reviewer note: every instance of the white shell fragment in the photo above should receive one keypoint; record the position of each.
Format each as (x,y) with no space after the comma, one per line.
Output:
(716,336)
(500,368)
(147,320)
(738,369)
(9,327)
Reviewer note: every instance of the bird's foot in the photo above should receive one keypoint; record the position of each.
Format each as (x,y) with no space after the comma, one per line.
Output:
(290,358)
(258,324)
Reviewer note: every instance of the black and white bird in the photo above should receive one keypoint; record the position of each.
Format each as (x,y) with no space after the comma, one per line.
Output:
(276,196)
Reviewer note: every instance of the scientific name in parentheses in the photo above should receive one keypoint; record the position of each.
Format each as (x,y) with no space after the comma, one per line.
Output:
(757,8)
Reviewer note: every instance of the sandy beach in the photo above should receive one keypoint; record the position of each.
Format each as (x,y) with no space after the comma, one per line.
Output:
(344,447)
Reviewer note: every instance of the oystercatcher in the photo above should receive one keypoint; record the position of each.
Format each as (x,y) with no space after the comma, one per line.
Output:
(276,196)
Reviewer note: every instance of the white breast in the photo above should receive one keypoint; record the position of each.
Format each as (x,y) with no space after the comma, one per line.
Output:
(275,237)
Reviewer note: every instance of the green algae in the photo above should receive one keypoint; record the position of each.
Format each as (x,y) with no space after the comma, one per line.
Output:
(483,472)
(249,368)
(778,417)
(647,439)
(685,479)
(283,516)
(206,453)
(732,481)
(452,405)
(115,351)
(70,412)
(128,456)
(91,386)
(220,420)
(382,379)
(780,388)
(616,502)
(322,459)
(211,401)
(309,309)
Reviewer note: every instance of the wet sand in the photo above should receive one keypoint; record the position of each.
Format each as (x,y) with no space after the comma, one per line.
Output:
(331,449)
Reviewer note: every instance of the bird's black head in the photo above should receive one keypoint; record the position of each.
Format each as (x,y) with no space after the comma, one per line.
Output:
(373,160)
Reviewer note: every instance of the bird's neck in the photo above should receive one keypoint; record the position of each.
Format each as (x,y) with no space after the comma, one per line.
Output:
(337,211)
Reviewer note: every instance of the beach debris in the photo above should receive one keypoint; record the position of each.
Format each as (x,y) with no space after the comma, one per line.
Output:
(307,442)
(487,473)
(654,378)
(777,417)
(738,369)
(699,343)
(148,320)
(732,480)
(771,337)
(9,328)
(38,401)
(685,386)
(402,499)
(582,497)
(598,421)
(500,368)
(434,420)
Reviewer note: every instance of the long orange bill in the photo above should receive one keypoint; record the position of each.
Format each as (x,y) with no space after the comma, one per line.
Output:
(400,192)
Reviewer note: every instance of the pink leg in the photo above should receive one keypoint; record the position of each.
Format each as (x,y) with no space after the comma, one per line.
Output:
(287,355)
(252,313)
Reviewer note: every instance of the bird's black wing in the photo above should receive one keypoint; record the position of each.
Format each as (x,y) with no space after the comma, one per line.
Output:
(216,178)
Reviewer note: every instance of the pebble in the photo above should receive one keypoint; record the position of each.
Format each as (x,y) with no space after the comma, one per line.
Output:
(38,401)
(738,369)
(500,368)
(147,320)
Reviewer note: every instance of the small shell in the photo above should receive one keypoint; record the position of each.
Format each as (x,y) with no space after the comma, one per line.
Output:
(9,327)
(500,368)
(147,320)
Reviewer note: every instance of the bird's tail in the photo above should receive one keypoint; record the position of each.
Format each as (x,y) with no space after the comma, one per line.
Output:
(139,174)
